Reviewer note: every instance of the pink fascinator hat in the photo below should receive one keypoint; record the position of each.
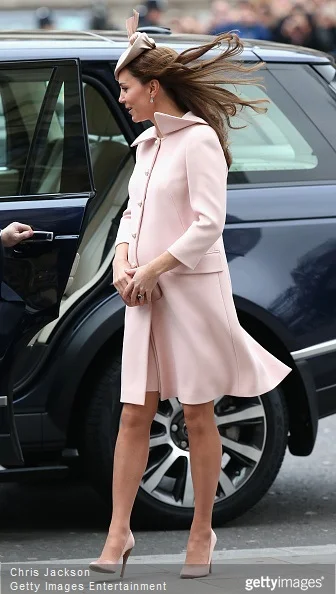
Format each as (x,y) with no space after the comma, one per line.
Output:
(139,43)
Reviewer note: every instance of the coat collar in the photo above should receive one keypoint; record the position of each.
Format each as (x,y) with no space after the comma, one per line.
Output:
(167,124)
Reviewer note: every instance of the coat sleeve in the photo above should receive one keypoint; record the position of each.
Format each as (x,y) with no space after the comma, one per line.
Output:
(124,230)
(207,179)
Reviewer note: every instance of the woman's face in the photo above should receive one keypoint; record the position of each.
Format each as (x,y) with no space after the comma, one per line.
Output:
(135,96)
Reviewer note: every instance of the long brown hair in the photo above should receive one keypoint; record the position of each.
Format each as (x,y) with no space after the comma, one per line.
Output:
(196,85)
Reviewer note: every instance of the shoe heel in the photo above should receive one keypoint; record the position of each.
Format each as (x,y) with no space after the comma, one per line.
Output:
(197,571)
(125,559)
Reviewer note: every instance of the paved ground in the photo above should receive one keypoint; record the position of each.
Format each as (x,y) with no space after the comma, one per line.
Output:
(233,572)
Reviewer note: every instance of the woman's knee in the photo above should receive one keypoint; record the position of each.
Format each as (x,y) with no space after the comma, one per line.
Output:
(137,416)
(198,416)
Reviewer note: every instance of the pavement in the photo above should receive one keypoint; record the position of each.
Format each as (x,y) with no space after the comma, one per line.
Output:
(283,569)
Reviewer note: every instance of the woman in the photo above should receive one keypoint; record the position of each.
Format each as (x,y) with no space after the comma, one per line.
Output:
(182,336)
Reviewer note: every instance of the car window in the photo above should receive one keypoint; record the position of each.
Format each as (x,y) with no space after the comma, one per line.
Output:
(281,146)
(42,143)
(319,104)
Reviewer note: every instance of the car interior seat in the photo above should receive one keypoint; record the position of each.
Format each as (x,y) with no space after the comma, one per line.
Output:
(112,164)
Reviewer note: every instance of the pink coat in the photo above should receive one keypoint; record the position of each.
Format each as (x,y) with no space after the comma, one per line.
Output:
(177,202)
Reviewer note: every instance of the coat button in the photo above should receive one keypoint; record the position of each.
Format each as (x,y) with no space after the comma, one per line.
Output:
(134,235)
(147,172)
(156,142)
(139,203)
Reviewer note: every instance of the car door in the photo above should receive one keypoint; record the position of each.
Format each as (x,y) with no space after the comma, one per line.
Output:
(46,182)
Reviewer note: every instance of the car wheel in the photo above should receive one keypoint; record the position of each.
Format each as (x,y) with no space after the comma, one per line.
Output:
(253,434)
(254,438)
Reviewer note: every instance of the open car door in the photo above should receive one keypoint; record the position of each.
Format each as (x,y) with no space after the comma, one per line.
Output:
(45,182)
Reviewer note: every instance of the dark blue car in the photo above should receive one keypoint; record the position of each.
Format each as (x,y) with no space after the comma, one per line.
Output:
(65,164)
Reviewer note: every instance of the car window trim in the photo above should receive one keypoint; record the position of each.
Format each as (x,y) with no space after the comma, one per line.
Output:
(48,103)
(84,125)
(279,184)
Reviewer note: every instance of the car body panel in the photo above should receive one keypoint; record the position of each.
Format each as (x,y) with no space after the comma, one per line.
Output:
(270,244)
(88,334)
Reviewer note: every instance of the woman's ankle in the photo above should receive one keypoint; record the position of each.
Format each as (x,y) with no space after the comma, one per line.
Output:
(200,528)
(119,528)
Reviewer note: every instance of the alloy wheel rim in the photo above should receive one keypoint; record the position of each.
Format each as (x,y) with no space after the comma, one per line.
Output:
(242,426)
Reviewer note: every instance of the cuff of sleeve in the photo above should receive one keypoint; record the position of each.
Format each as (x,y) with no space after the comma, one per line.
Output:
(120,241)
(122,238)
(190,262)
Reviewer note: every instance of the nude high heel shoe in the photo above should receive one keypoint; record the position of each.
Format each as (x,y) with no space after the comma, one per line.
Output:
(197,571)
(112,566)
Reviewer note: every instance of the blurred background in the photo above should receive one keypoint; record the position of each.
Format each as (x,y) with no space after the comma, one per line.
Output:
(310,23)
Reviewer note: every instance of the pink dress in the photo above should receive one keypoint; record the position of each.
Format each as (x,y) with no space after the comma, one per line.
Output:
(188,344)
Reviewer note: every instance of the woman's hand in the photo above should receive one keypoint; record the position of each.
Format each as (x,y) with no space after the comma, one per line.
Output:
(120,277)
(142,283)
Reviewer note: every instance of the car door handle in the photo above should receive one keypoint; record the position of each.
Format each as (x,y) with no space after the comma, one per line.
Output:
(40,236)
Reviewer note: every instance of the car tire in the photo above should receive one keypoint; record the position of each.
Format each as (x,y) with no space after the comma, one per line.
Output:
(101,428)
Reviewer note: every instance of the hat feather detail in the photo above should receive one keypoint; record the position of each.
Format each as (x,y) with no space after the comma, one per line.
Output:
(132,24)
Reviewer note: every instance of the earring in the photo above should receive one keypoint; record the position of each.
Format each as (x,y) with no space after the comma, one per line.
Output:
(151,100)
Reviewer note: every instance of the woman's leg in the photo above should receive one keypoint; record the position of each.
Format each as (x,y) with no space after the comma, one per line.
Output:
(130,460)
(205,458)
